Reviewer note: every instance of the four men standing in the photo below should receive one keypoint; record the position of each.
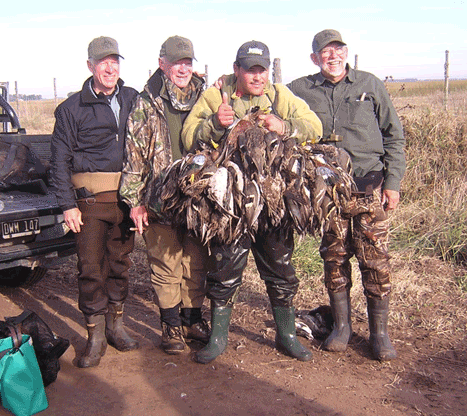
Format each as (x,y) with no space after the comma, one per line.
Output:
(88,146)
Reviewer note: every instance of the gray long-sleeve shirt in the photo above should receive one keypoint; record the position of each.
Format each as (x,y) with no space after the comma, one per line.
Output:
(359,109)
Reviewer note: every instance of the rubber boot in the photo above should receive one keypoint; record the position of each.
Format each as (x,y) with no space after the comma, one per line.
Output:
(115,332)
(342,328)
(286,337)
(96,345)
(378,311)
(220,321)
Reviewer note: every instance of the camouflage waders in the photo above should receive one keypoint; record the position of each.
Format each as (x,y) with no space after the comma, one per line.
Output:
(365,236)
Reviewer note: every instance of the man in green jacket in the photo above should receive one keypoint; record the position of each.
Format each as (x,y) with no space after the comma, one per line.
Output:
(358,116)
(153,142)
(212,115)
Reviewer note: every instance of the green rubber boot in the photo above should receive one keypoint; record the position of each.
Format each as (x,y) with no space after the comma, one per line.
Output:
(220,321)
(286,336)
(378,311)
(342,328)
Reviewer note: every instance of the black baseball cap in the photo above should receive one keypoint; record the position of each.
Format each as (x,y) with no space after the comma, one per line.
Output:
(253,53)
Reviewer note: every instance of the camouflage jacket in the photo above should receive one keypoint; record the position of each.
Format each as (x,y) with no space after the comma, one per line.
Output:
(148,147)
(202,124)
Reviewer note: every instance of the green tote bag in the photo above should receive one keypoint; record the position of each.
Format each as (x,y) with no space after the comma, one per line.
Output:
(21,386)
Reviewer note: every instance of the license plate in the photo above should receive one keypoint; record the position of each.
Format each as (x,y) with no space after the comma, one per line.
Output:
(20,228)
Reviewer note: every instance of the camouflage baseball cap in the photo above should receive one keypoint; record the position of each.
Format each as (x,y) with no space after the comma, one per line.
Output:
(325,37)
(176,48)
(253,53)
(101,47)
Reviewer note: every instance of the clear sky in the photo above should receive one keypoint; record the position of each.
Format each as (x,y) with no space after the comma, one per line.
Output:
(43,40)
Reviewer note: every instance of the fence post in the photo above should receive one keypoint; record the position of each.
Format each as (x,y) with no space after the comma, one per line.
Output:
(17,98)
(446,81)
(55,91)
(276,71)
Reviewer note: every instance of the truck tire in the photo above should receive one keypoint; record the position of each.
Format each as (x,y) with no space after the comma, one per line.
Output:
(21,276)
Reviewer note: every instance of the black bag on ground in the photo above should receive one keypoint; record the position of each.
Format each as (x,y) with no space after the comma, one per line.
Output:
(48,346)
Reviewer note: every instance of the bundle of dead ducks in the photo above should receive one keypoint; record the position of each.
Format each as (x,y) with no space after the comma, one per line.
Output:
(256,180)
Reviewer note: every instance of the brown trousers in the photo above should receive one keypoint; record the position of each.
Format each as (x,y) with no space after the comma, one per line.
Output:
(178,267)
(103,247)
(366,237)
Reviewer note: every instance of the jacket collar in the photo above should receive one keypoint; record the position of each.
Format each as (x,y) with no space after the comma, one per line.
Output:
(88,96)
(156,88)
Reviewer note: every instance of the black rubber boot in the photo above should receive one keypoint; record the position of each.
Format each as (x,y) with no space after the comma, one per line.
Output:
(378,311)
(96,345)
(342,328)
(220,321)
(286,337)
(115,332)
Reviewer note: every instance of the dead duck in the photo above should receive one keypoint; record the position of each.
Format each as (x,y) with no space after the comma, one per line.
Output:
(256,180)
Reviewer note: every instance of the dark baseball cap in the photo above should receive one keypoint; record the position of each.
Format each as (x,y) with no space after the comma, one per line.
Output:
(176,48)
(101,47)
(325,37)
(253,53)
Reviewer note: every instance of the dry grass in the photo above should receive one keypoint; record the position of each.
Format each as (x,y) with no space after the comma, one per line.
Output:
(37,117)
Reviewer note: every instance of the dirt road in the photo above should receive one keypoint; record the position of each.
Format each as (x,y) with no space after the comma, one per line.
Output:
(251,377)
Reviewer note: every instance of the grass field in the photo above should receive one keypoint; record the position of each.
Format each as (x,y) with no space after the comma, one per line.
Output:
(423,88)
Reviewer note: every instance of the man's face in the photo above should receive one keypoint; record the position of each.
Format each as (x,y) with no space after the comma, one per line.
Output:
(179,72)
(331,59)
(106,73)
(252,81)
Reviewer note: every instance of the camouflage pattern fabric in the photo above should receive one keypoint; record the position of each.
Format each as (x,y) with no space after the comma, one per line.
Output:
(147,149)
(366,236)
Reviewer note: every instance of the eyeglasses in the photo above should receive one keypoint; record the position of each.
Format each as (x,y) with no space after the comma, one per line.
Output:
(339,50)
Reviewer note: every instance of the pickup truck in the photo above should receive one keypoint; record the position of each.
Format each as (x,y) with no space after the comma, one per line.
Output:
(33,234)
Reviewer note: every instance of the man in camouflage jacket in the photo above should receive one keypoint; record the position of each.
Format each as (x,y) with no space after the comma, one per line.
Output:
(153,142)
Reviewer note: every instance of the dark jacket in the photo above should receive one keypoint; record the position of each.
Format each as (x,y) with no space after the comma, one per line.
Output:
(86,137)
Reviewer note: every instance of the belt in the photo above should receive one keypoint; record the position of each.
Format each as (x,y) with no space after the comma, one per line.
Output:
(368,183)
(101,197)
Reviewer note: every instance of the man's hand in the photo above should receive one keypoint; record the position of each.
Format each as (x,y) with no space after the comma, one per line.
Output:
(225,113)
(139,215)
(390,199)
(218,83)
(273,123)
(73,219)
